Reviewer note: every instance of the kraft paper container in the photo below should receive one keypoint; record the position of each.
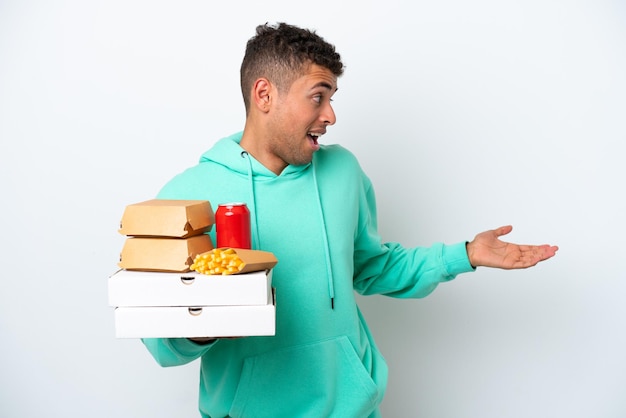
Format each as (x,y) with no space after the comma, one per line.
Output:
(167,218)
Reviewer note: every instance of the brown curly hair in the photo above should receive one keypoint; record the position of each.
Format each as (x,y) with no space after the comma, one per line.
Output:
(283,52)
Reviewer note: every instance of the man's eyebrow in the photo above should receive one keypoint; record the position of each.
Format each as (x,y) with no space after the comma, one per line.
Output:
(324,84)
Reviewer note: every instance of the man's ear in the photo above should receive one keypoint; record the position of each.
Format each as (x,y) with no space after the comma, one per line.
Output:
(262,94)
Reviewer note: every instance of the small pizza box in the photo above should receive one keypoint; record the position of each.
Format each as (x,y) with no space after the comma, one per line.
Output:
(141,288)
(196,321)
(163,254)
(167,218)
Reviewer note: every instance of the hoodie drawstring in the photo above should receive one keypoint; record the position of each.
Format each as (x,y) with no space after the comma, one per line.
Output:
(252,203)
(329,270)
(255,225)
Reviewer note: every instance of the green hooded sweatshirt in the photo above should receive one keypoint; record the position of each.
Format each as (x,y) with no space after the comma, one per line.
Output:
(320,221)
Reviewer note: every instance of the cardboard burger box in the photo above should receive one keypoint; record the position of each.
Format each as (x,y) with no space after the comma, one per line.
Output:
(167,218)
(165,235)
(162,254)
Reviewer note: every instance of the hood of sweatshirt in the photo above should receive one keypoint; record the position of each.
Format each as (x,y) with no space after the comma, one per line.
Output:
(231,155)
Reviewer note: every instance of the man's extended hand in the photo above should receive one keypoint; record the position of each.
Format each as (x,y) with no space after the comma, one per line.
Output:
(488,251)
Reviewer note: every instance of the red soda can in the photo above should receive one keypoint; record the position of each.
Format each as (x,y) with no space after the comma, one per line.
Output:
(232,226)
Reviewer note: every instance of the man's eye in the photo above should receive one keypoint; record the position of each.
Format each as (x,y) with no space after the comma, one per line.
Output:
(317,98)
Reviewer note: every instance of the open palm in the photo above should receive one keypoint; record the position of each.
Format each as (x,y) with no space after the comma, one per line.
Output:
(488,250)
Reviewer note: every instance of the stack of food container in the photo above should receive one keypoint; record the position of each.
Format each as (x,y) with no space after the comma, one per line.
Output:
(157,295)
(165,235)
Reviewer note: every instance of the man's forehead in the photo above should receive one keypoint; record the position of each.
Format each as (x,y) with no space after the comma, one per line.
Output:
(317,76)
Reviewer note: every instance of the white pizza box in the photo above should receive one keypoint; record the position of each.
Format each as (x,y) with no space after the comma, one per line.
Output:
(146,288)
(196,321)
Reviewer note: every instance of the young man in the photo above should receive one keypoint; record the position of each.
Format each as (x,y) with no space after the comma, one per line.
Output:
(314,208)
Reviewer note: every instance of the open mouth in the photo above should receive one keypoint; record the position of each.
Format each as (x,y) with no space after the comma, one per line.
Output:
(313,137)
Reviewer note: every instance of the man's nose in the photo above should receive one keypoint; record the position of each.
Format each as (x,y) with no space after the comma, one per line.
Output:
(328,115)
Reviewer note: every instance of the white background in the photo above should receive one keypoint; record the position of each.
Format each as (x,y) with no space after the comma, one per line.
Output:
(466,115)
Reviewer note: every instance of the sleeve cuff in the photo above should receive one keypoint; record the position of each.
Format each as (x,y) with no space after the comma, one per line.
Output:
(188,347)
(456,260)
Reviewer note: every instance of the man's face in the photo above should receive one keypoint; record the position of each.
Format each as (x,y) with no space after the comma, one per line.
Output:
(300,116)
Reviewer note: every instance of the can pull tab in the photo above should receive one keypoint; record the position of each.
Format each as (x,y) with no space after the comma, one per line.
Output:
(187,280)
(195,311)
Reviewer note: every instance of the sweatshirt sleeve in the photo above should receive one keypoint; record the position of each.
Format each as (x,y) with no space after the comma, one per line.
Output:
(393,270)
(175,351)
